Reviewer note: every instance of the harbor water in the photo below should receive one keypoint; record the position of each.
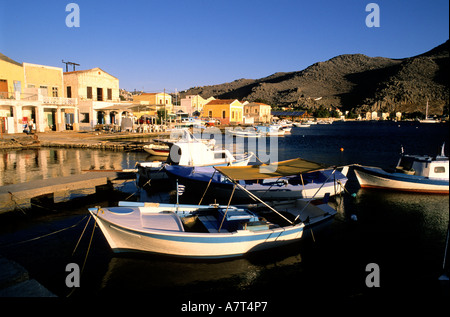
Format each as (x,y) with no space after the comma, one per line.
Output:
(403,234)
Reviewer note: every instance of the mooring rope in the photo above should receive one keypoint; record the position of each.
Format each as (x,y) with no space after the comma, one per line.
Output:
(43,236)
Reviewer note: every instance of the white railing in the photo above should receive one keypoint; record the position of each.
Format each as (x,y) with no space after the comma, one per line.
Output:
(59,100)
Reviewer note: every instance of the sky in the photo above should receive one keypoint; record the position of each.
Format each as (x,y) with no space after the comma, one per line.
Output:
(174,45)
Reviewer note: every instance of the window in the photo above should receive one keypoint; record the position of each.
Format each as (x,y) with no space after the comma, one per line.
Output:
(55,91)
(109,94)
(99,94)
(89,93)
(69,92)
(84,117)
(439,169)
(232,114)
(210,113)
(224,114)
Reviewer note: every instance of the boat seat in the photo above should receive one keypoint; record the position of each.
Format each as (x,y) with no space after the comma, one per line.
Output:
(162,221)
(210,223)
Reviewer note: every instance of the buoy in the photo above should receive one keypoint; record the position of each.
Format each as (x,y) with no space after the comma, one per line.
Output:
(342,149)
(353,217)
(354,195)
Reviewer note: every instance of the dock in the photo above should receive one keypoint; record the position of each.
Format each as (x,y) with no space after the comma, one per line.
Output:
(15,281)
(43,191)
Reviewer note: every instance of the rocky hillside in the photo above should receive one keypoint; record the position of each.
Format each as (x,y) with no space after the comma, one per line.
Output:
(352,81)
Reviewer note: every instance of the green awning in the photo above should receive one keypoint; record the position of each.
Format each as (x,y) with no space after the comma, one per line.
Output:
(272,170)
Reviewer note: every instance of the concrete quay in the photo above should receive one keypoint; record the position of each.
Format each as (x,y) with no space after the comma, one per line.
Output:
(15,281)
(41,192)
(75,139)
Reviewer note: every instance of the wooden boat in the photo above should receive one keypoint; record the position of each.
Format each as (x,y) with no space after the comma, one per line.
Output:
(278,186)
(414,173)
(213,231)
(157,149)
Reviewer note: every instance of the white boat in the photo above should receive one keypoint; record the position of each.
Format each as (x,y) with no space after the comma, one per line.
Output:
(428,120)
(189,151)
(157,149)
(272,130)
(414,173)
(195,231)
(301,125)
(247,133)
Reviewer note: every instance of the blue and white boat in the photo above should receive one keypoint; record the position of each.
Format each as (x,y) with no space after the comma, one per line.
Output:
(278,186)
(211,232)
(413,173)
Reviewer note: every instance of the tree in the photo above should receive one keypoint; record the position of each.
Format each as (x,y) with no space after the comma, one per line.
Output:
(162,115)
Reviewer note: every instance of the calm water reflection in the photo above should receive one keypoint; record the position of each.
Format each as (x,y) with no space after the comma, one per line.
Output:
(21,166)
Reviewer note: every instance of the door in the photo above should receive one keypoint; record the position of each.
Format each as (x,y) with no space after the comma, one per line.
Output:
(3,88)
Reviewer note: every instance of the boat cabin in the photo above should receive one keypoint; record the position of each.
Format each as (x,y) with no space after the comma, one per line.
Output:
(197,154)
(427,166)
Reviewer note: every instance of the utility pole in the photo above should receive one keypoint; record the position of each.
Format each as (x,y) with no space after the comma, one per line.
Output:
(165,113)
(70,63)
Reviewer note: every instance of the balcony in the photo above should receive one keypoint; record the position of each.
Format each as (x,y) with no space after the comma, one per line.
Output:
(58,101)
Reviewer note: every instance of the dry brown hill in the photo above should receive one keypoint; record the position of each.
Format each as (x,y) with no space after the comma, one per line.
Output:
(351,81)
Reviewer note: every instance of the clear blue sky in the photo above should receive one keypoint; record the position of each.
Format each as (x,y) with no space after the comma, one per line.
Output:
(176,44)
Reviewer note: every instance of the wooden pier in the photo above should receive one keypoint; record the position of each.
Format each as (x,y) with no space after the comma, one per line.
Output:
(42,191)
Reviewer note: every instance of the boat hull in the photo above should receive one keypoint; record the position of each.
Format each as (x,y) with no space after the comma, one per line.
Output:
(378,178)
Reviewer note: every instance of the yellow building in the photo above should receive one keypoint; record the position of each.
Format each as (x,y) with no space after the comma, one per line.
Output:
(46,78)
(228,111)
(98,96)
(11,77)
(259,111)
(154,101)
(154,98)
(32,94)
(11,83)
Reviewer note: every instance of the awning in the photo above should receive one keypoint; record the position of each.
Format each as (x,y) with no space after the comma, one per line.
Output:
(273,170)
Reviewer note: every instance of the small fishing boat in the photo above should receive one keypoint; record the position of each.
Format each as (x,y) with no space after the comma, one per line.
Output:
(207,231)
(272,130)
(414,173)
(247,133)
(301,125)
(211,232)
(280,185)
(157,149)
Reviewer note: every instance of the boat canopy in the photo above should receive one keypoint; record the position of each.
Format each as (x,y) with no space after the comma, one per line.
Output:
(272,170)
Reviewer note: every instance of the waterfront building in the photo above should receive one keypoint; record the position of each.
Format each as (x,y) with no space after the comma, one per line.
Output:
(191,104)
(227,111)
(148,105)
(32,94)
(98,98)
(260,112)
